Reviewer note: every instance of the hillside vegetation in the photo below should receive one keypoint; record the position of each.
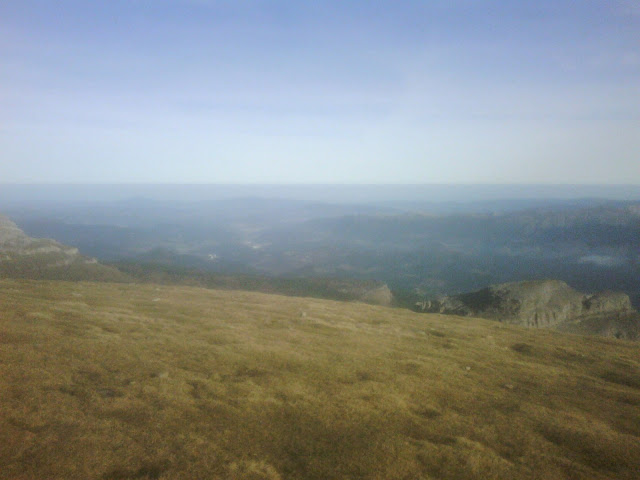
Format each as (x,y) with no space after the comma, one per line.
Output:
(121,381)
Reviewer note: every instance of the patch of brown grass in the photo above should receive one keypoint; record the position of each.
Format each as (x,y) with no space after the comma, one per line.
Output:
(113,381)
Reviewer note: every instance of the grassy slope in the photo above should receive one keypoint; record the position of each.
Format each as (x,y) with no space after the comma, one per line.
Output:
(317,287)
(42,267)
(117,381)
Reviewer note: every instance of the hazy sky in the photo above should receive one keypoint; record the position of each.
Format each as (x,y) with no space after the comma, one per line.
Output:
(320,91)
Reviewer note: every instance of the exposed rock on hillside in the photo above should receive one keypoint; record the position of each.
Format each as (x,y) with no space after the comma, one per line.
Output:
(545,303)
(23,256)
(379,296)
(369,291)
(606,302)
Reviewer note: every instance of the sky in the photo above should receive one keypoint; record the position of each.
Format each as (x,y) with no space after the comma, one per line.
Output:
(350,92)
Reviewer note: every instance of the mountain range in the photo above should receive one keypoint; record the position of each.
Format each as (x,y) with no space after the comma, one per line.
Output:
(418,249)
(541,303)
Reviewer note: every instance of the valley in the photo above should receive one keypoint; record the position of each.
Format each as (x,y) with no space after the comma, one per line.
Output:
(420,250)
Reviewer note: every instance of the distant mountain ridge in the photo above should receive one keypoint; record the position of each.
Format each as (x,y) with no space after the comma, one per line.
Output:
(545,304)
(419,250)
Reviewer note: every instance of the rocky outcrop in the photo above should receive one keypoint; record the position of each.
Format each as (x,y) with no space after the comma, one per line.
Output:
(545,304)
(15,244)
(607,301)
(379,296)
(26,257)
(367,291)
(11,237)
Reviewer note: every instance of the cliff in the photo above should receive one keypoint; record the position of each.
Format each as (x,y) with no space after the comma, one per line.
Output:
(545,304)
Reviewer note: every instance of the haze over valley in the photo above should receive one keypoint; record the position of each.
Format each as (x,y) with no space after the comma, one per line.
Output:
(418,246)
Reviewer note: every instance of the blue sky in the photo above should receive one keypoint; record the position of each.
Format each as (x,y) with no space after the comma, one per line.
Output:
(205,91)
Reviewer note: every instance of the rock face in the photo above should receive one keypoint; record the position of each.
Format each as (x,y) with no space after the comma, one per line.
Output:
(545,304)
(371,291)
(606,302)
(23,256)
(379,296)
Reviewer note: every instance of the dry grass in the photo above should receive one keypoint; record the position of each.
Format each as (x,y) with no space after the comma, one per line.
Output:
(114,381)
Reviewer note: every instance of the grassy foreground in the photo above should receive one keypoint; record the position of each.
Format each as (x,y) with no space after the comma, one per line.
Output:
(117,381)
